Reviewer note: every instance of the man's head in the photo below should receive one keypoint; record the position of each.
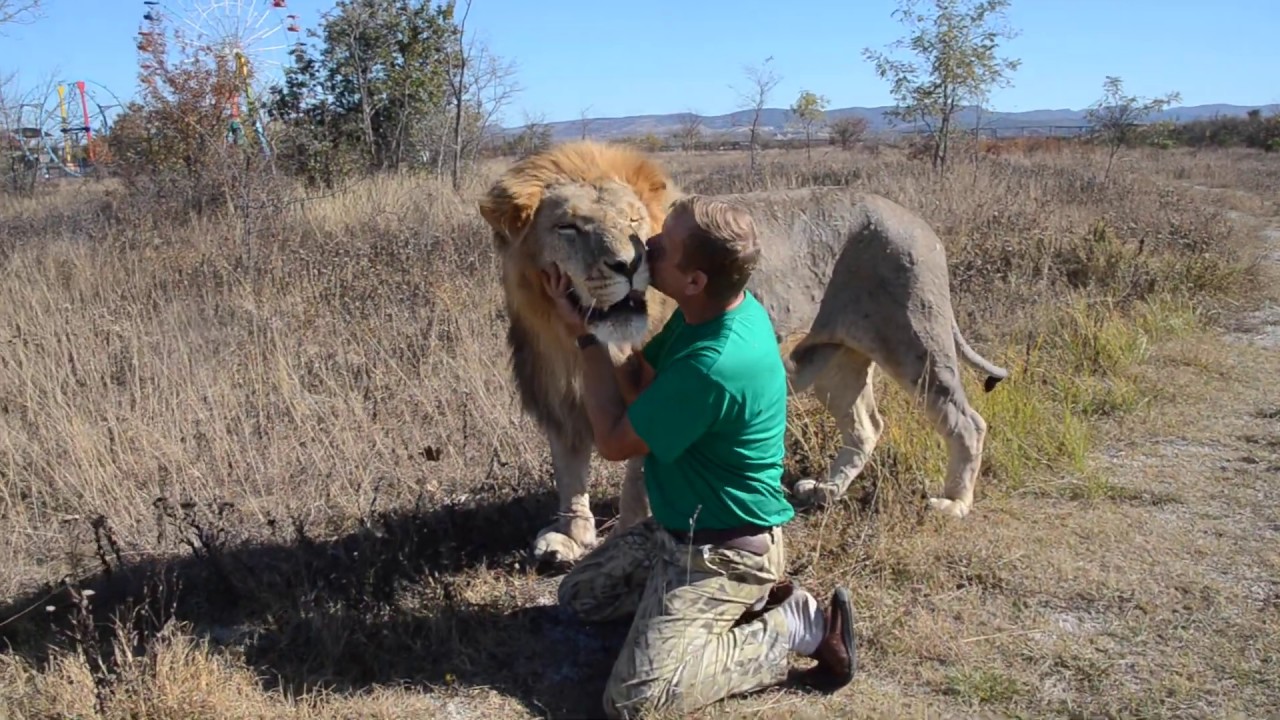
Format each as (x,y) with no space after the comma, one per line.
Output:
(707,249)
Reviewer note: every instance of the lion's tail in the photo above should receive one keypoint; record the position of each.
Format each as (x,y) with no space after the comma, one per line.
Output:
(994,372)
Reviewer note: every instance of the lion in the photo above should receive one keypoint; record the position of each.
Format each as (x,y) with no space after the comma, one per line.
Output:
(850,280)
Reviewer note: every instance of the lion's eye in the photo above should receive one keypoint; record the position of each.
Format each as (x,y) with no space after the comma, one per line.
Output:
(635,221)
(568,230)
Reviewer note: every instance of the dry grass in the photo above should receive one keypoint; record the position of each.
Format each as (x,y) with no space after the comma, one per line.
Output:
(282,449)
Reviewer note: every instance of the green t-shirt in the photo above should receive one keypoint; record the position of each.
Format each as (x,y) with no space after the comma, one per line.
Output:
(714,418)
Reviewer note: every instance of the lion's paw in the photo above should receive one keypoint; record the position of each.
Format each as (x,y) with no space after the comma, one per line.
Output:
(553,547)
(810,493)
(950,508)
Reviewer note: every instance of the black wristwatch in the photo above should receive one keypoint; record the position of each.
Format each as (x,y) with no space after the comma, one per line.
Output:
(586,340)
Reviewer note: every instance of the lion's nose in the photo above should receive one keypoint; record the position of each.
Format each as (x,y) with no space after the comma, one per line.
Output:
(621,267)
(627,268)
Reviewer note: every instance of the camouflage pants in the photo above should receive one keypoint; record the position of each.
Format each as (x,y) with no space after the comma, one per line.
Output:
(683,651)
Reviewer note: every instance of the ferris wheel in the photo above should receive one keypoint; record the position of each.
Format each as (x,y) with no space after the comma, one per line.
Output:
(253,30)
(251,36)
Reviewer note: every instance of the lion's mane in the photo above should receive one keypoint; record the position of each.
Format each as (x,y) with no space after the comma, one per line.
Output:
(544,360)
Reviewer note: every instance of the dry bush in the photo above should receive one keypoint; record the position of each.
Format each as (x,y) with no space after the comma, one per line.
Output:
(1024,145)
(289,422)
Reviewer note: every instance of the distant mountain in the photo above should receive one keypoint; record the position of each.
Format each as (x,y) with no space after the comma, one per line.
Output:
(775,121)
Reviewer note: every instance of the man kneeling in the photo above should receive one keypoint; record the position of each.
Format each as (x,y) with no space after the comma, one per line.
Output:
(702,576)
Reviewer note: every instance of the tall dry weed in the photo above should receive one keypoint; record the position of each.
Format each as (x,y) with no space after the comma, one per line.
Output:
(307,398)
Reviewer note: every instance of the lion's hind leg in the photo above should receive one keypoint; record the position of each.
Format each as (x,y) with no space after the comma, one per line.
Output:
(846,389)
(962,428)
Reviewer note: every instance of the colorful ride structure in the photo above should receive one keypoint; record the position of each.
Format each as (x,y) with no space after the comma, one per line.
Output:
(244,37)
(59,135)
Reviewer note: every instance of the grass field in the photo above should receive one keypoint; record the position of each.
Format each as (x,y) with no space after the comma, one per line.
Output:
(273,466)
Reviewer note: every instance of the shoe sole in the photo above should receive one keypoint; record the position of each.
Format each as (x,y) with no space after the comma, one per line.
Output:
(844,605)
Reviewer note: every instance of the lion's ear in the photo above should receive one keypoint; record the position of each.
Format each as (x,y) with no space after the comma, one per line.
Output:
(649,180)
(653,186)
(508,212)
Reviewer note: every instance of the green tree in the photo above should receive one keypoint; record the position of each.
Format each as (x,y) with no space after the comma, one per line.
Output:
(955,43)
(809,110)
(317,143)
(380,78)
(848,130)
(1116,117)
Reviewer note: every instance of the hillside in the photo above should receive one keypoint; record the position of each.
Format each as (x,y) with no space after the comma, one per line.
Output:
(775,120)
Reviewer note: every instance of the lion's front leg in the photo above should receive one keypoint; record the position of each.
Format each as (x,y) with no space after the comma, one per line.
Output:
(574,533)
(846,389)
(634,499)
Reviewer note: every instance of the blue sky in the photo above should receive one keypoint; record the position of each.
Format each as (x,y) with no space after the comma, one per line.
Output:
(656,56)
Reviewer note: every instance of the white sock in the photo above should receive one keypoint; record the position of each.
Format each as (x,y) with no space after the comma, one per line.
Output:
(805,621)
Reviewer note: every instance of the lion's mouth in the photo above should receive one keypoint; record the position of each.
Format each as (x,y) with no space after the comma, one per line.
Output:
(633,303)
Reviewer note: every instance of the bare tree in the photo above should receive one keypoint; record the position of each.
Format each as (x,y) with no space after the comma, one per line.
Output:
(689,130)
(762,82)
(1116,116)
(534,136)
(493,86)
(481,84)
(19,12)
(27,113)
(584,120)
(458,85)
(981,129)
(11,107)
(10,102)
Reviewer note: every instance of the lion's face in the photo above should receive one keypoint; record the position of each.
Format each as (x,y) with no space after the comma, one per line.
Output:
(587,208)
(596,235)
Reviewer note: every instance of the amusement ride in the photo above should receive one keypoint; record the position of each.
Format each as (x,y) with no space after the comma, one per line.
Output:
(59,135)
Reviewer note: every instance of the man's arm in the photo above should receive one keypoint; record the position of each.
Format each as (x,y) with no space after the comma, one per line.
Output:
(615,439)
(678,407)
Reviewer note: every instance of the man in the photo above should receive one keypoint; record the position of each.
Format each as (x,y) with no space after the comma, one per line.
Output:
(702,575)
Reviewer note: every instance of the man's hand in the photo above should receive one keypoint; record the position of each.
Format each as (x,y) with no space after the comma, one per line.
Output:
(557,285)
(614,437)
(634,376)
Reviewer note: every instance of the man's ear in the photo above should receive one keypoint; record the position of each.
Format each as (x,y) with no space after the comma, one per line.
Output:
(508,208)
(697,282)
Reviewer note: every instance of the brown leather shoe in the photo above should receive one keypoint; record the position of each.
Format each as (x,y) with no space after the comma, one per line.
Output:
(780,591)
(837,654)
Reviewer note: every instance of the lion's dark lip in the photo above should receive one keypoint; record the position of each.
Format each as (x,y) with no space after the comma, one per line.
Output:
(632,304)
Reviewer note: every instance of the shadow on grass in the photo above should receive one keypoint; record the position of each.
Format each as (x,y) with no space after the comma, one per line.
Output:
(385,604)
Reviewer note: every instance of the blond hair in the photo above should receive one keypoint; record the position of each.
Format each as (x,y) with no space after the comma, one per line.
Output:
(722,244)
